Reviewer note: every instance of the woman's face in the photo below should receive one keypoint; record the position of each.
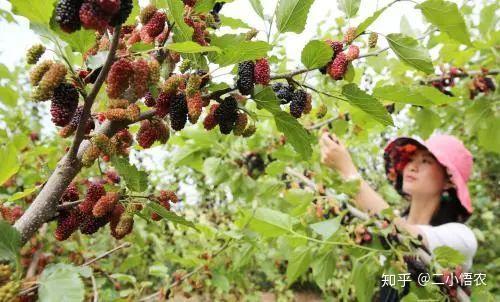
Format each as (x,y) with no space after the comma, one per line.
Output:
(423,175)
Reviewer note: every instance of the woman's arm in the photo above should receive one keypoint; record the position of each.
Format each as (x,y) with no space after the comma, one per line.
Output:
(336,156)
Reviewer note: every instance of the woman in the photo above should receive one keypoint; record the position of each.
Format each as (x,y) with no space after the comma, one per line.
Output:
(432,175)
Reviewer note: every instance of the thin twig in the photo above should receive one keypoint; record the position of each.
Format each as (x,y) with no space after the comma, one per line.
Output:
(80,130)
(94,288)
(321,124)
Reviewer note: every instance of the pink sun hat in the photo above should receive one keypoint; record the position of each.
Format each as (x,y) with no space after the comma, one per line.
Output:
(449,152)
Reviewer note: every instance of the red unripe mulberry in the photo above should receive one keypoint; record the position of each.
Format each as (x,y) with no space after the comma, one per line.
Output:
(156,24)
(262,72)
(115,216)
(93,16)
(338,67)
(336,46)
(118,78)
(94,193)
(147,134)
(105,204)
(67,223)
(109,6)
(352,53)
(140,77)
(195,105)
(210,122)
(71,193)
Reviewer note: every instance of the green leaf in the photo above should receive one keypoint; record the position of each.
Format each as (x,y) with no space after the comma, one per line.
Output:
(136,180)
(291,15)
(323,269)
(169,215)
(349,7)
(363,279)
(446,16)
(37,11)
(183,31)
(326,228)
(10,162)
(222,282)
(243,51)
(411,297)
(134,13)
(9,96)
(233,22)
(204,6)
(10,242)
(298,263)
(410,52)
(257,7)
(141,46)
(316,54)
(434,95)
(448,257)
(61,283)
(426,121)
(368,21)
(488,19)
(367,103)
(26,192)
(191,47)
(489,136)
(295,133)
(270,223)
(276,168)
(401,94)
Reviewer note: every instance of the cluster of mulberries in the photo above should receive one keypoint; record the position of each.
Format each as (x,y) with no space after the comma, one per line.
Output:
(71,15)
(480,84)
(130,113)
(100,145)
(362,235)
(151,131)
(338,66)
(226,114)
(300,101)
(34,53)
(67,223)
(121,142)
(64,104)
(10,290)
(199,23)
(45,77)
(105,204)
(71,193)
(11,214)
(94,192)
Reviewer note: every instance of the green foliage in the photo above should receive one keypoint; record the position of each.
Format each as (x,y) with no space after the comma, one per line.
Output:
(349,7)
(10,242)
(62,282)
(409,51)
(316,54)
(291,15)
(136,180)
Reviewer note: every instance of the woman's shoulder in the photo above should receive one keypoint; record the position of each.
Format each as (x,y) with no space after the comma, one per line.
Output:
(457,233)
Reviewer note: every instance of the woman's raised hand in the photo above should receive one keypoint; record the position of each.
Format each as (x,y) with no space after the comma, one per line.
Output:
(335,155)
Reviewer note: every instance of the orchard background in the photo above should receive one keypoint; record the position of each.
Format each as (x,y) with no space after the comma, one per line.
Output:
(130,198)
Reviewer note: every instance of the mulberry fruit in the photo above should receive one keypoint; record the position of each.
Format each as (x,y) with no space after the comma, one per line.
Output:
(9,291)
(91,224)
(34,53)
(94,193)
(50,80)
(322,109)
(67,15)
(162,104)
(113,177)
(93,16)
(283,92)
(67,224)
(249,131)
(37,73)
(193,85)
(71,193)
(149,99)
(105,204)
(156,24)
(172,84)
(205,77)
(210,122)
(64,104)
(163,132)
(118,78)
(154,72)
(245,80)
(226,114)
(350,35)
(178,112)
(124,226)
(185,65)
(372,40)
(114,218)
(109,6)
(338,67)
(5,273)
(241,123)
(298,103)
(90,155)
(121,16)
(308,107)
(352,53)
(262,72)
(140,77)
(195,105)
(147,134)
(118,103)
(147,13)
(336,46)
(190,3)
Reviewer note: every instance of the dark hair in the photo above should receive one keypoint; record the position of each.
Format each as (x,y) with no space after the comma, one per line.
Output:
(450,209)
